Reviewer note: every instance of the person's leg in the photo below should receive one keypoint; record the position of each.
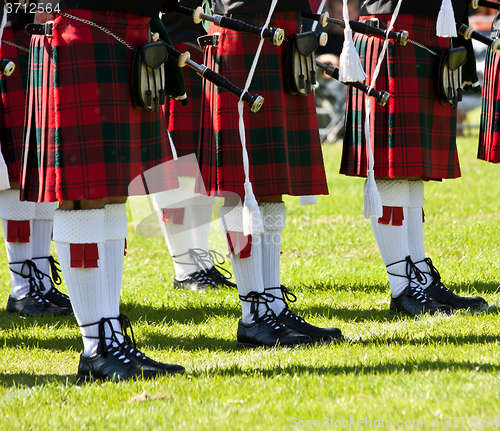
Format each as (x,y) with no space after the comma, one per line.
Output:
(201,214)
(258,325)
(431,282)
(81,237)
(26,297)
(273,217)
(175,214)
(41,239)
(391,234)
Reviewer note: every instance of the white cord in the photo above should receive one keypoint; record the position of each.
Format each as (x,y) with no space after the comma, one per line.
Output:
(372,200)
(320,9)
(371,161)
(252,219)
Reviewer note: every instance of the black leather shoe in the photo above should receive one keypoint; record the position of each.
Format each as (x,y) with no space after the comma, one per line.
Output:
(219,278)
(267,331)
(133,352)
(116,365)
(298,324)
(35,305)
(197,281)
(58,298)
(444,296)
(415,301)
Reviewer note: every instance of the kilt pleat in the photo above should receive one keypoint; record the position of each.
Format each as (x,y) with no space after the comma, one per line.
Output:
(489,130)
(414,134)
(85,140)
(183,122)
(13,99)
(282,138)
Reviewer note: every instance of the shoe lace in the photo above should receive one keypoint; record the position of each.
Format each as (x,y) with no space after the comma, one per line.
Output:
(30,271)
(255,299)
(292,315)
(129,341)
(289,296)
(270,319)
(55,269)
(111,345)
(434,273)
(201,257)
(415,278)
(202,277)
(419,294)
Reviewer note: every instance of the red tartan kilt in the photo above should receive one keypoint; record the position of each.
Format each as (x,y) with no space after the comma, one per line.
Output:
(183,122)
(13,99)
(92,143)
(282,139)
(489,130)
(414,134)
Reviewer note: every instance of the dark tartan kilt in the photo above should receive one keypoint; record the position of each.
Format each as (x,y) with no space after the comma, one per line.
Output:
(183,122)
(85,138)
(13,99)
(282,138)
(414,134)
(489,137)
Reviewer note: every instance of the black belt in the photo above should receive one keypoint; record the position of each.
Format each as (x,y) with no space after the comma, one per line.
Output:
(40,29)
(209,40)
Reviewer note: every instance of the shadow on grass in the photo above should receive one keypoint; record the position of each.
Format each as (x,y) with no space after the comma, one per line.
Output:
(56,335)
(384,368)
(33,380)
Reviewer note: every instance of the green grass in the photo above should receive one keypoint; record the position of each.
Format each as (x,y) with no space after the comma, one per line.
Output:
(389,367)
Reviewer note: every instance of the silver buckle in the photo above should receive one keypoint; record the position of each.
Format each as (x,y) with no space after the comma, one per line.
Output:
(215,39)
(373,22)
(48,28)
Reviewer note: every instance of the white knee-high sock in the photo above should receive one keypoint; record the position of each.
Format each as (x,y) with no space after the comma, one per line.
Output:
(74,231)
(392,240)
(201,214)
(248,268)
(273,217)
(18,248)
(176,224)
(115,230)
(416,230)
(41,238)
(17,254)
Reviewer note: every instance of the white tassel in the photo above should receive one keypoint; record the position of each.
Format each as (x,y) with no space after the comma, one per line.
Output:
(4,174)
(350,68)
(373,202)
(252,219)
(308,200)
(446,26)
